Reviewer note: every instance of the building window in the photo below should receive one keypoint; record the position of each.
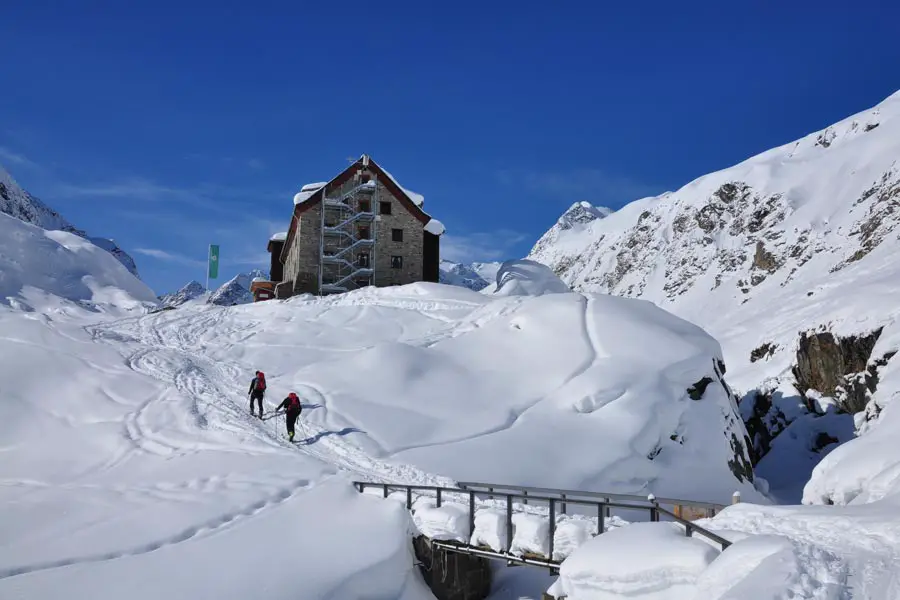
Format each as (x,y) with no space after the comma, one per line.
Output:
(365,206)
(385,207)
(396,262)
(397,235)
(362,260)
(364,233)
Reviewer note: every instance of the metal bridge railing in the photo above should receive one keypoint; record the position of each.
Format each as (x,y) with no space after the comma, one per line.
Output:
(557,501)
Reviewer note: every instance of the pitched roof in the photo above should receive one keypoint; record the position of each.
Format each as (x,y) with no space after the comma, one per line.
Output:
(312,198)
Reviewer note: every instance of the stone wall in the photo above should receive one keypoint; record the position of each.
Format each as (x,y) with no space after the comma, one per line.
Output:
(410,249)
(302,263)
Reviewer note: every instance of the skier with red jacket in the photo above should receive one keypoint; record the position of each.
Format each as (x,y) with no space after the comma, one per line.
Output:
(257,392)
(292,408)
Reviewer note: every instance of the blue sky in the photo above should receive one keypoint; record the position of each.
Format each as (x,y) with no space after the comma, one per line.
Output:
(169,126)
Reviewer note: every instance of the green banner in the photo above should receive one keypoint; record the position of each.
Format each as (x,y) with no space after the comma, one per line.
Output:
(213,261)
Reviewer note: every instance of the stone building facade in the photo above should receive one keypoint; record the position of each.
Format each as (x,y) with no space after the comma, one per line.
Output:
(359,229)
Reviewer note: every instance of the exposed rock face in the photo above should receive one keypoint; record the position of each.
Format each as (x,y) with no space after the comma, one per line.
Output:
(453,576)
(741,463)
(764,422)
(838,367)
(192,290)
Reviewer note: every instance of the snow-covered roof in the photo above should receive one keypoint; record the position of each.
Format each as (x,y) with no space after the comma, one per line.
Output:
(418,199)
(258,279)
(434,227)
(307,191)
(279,237)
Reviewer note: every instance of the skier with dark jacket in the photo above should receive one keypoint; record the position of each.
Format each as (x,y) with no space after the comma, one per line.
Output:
(292,408)
(257,392)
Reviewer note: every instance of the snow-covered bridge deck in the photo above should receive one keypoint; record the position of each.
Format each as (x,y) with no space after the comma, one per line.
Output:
(528,525)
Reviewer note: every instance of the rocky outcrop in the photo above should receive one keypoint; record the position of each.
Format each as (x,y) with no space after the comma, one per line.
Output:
(839,367)
(764,422)
(764,351)
(451,575)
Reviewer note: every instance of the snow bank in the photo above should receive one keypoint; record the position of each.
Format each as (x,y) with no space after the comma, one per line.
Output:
(307,192)
(865,469)
(450,521)
(644,560)
(766,567)
(526,278)
(531,535)
(490,529)
(35,263)
(571,533)
(434,227)
(326,542)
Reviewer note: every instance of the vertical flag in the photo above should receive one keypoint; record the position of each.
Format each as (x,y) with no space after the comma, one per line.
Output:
(212,264)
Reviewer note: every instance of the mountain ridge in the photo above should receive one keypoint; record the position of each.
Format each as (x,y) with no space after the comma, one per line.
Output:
(16,202)
(787,259)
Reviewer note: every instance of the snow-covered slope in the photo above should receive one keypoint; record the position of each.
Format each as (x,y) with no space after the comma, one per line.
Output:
(236,290)
(801,238)
(191,291)
(39,268)
(130,462)
(475,276)
(18,203)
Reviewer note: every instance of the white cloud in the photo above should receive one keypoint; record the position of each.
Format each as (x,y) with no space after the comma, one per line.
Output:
(12,157)
(169,256)
(480,246)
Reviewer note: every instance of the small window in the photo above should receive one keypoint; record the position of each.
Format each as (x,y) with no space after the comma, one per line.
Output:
(364,233)
(385,207)
(365,206)
(397,235)
(362,260)
(396,262)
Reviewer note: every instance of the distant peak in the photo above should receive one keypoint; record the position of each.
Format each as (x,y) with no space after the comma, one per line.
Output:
(581,213)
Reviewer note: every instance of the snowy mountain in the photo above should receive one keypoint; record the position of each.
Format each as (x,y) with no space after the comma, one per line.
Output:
(18,203)
(789,260)
(55,270)
(475,276)
(236,290)
(191,291)
(570,223)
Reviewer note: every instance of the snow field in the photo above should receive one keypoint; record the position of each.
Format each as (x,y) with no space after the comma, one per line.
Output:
(156,464)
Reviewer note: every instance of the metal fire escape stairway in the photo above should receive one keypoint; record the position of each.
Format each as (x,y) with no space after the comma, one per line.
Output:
(340,237)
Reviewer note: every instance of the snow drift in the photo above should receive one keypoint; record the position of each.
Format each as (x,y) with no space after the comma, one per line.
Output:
(35,262)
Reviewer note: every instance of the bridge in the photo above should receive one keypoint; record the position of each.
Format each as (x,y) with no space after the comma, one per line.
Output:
(547,509)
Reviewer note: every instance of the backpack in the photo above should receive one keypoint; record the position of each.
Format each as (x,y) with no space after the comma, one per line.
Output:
(261,381)
(294,403)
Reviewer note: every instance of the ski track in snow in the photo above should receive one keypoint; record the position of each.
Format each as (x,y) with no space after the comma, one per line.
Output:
(171,351)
